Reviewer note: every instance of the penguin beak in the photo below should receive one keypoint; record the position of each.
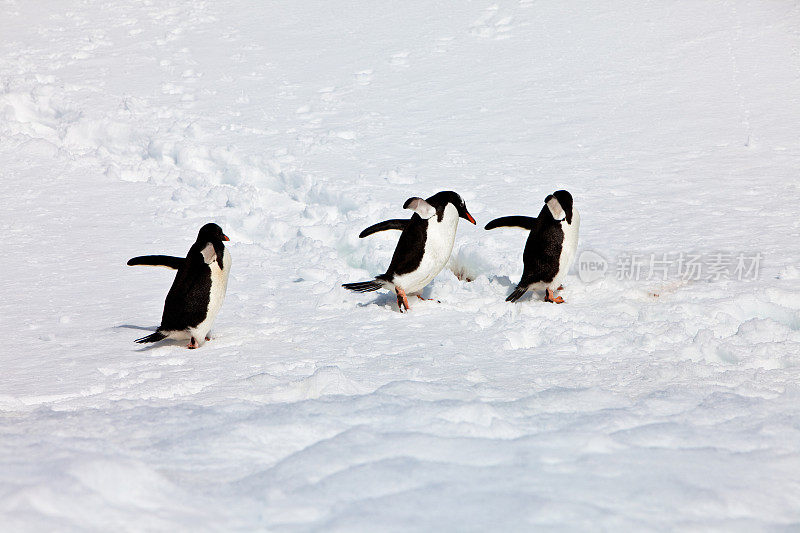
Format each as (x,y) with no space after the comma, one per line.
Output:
(225,237)
(469,217)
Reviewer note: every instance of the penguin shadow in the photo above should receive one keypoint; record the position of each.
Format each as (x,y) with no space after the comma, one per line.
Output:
(503,281)
(154,345)
(530,296)
(131,326)
(389,300)
(162,343)
(508,285)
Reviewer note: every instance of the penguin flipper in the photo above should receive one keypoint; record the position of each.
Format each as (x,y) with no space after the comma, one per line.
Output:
(153,337)
(513,221)
(167,261)
(395,223)
(517,294)
(363,286)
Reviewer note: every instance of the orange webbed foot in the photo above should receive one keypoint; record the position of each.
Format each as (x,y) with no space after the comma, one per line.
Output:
(402,300)
(550,297)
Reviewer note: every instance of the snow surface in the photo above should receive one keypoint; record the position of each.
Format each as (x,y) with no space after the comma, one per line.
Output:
(126,125)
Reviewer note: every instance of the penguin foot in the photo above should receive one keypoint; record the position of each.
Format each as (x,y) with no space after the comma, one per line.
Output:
(193,344)
(548,297)
(428,299)
(402,300)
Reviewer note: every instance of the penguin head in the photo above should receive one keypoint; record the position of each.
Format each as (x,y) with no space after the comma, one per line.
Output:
(211,233)
(560,205)
(441,199)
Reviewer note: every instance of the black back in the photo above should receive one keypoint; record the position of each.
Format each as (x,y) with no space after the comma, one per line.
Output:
(187,300)
(410,248)
(411,245)
(543,249)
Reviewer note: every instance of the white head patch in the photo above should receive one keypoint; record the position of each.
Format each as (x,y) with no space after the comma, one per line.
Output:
(421,207)
(556,209)
(209,254)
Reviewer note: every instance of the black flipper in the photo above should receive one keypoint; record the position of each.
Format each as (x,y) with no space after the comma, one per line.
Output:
(517,294)
(395,223)
(158,260)
(513,221)
(363,286)
(153,337)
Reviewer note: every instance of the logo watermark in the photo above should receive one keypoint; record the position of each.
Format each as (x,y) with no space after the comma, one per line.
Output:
(716,266)
(591,266)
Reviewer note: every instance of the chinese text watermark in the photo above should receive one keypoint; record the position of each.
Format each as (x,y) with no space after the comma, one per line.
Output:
(716,266)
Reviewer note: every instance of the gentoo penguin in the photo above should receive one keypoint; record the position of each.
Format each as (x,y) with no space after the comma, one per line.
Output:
(196,294)
(551,245)
(423,248)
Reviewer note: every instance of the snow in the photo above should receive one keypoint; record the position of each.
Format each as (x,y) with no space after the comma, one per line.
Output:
(640,404)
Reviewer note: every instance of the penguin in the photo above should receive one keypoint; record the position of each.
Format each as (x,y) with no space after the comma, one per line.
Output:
(196,294)
(550,249)
(424,246)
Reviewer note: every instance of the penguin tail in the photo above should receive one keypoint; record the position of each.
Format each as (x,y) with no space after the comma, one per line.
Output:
(517,294)
(153,337)
(363,286)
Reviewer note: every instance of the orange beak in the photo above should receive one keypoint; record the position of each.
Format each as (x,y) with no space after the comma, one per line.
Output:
(225,237)
(469,217)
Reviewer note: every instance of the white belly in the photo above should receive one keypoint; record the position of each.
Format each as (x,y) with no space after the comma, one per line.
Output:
(438,246)
(219,284)
(568,249)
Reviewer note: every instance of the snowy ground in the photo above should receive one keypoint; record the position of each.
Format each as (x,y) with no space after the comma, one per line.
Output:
(640,404)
